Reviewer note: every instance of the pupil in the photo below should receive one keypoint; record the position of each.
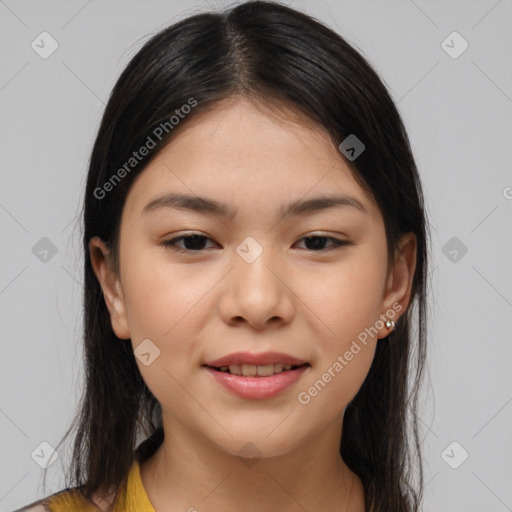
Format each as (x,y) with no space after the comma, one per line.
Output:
(193,240)
(318,244)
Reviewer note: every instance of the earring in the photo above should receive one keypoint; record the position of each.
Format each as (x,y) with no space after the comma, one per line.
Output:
(390,324)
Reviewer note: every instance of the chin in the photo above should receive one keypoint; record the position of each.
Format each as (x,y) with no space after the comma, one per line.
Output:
(260,445)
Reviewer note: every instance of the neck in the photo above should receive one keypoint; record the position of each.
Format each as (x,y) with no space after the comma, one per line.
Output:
(189,471)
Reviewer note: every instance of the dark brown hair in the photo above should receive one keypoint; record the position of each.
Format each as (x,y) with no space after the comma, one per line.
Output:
(271,53)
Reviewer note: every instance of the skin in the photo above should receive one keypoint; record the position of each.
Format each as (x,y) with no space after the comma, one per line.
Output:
(305,300)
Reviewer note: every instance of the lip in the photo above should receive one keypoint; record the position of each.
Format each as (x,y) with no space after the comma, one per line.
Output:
(262,359)
(257,387)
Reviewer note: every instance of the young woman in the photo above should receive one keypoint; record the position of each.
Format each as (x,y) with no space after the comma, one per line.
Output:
(255,240)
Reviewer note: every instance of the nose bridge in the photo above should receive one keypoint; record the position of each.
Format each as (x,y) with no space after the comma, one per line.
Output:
(252,265)
(255,291)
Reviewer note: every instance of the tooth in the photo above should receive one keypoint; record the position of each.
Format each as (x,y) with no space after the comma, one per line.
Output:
(248,369)
(265,371)
(235,369)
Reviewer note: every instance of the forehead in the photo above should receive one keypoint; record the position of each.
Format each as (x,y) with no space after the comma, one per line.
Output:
(247,156)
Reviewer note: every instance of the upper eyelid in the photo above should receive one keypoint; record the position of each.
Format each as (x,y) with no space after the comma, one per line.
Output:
(195,233)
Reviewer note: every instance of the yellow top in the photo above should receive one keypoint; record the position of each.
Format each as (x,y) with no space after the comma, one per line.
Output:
(132,498)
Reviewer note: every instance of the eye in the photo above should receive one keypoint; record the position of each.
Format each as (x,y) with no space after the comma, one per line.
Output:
(317,241)
(196,242)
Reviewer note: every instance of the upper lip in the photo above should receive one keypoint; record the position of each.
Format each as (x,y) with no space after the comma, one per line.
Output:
(265,358)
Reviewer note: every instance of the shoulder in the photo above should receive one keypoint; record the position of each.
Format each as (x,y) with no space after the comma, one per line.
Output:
(37,506)
(70,500)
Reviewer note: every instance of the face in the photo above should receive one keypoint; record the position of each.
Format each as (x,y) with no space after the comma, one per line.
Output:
(310,283)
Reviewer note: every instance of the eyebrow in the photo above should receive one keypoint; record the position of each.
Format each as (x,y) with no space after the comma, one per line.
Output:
(209,206)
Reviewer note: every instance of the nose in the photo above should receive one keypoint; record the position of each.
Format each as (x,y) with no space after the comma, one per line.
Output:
(259,293)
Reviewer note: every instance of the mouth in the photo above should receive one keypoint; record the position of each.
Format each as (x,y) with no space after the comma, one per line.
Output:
(259,382)
(251,370)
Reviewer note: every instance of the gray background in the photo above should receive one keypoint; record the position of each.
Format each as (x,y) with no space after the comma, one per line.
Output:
(458,113)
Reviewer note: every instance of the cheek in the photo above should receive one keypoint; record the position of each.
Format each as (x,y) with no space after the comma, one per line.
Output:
(347,298)
(346,303)
(338,376)
(164,305)
(160,297)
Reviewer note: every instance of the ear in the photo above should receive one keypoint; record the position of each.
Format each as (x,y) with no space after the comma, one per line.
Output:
(111,286)
(398,290)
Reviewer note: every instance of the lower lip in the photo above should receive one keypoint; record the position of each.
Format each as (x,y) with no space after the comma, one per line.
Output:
(258,387)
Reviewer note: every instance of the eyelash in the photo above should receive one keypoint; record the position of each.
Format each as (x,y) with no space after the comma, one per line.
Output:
(171,244)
